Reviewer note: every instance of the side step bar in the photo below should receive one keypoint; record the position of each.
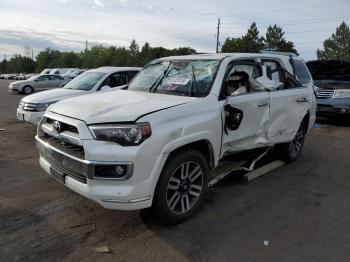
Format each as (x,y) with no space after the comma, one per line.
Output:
(228,167)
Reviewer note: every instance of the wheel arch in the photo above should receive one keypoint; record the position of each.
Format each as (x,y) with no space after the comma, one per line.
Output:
(204,146)
(306,119)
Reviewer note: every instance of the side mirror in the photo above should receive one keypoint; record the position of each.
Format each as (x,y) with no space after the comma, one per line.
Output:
(316,89)
(105,88)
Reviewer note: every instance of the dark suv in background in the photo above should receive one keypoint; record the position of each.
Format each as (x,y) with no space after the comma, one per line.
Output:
(332,77)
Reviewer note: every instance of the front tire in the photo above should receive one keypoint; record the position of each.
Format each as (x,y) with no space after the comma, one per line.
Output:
(290,152)
(181,187)
(27,90)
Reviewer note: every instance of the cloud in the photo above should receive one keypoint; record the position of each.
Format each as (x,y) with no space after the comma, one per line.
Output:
(99,3)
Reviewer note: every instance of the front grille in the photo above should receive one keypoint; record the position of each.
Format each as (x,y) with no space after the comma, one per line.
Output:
(28,106)
(325,93)
(66,171)
(64,126)
(74,150)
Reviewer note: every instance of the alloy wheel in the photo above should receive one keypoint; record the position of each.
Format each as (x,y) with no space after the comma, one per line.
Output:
(184,187)
(297,143)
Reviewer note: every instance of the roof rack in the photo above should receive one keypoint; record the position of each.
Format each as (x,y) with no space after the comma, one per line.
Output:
(278,53)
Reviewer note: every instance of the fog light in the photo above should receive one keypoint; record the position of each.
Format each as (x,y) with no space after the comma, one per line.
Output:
(111,171)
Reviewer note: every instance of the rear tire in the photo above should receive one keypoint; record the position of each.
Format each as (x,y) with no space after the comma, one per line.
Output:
(181,187)
(290,152)
(27,90)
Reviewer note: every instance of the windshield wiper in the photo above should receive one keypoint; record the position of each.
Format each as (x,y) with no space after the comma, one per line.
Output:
(160,78)
(194,82)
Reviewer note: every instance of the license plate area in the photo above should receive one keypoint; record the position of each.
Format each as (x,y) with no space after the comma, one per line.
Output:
(20,116)
(60,177)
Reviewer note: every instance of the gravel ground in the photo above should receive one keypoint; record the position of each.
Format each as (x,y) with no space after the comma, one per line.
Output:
(300,210)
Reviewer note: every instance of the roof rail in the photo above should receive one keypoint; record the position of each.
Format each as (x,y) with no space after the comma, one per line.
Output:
(278,53)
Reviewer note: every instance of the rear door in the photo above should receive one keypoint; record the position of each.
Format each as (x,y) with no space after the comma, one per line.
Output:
(245,114)
(42,82)
(57,81)
(289,103)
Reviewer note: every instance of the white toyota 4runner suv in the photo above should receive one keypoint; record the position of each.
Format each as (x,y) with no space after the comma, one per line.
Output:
(158,143)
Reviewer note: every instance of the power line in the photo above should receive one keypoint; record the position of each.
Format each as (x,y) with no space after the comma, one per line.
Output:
(245,15)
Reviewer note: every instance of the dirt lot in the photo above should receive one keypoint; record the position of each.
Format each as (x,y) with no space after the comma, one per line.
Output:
(301,209)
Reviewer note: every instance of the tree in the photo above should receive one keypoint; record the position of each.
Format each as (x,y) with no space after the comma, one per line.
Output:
(338,45)
(251,42)
(145,54)
(99,55)
(3,66)
(275,40)
(20,64)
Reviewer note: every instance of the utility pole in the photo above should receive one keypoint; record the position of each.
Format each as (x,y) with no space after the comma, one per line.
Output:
(32,54)
(86,45)
(217,36)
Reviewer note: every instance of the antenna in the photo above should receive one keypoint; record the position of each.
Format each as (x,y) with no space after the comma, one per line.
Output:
(217,36)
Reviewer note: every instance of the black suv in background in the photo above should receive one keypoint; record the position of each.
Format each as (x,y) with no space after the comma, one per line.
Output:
(332,77)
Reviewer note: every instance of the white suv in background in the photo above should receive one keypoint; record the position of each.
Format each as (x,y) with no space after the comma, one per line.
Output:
(158,143)
(31,108)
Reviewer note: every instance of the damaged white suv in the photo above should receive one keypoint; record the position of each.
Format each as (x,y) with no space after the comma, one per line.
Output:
(157,143)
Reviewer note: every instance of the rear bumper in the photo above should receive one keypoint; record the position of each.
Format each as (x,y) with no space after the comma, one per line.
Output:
(333,107)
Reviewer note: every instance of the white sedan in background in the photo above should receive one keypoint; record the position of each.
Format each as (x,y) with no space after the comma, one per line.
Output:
(31,108)
(37,83)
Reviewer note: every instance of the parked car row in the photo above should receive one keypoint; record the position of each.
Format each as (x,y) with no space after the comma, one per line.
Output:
(32,107)
(20,76)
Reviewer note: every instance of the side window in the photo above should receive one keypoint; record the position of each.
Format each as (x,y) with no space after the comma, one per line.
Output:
(117,79)
(56,77)
(131,75)
(290,81)
(276,74)
(43,78)
(243,79)
(302,72)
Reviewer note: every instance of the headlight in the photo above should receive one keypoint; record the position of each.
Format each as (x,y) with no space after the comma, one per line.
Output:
(339,93)
(125,135)
(43,106)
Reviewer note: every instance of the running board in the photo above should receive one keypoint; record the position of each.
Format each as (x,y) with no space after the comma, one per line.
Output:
(227,167)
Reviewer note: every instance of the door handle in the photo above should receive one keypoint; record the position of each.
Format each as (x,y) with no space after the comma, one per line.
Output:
(302,100)
(263,104)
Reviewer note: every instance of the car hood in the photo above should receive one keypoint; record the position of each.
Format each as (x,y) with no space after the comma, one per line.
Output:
(330,73)
(53,95)
(20,82)
(117,106)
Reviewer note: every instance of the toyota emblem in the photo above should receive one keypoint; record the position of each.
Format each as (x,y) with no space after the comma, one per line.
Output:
(56,127)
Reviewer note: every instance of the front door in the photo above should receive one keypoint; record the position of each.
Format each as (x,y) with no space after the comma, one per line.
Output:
(245,108)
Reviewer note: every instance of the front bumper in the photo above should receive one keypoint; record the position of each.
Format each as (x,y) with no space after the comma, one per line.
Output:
(333,107)
(13,89)
(77,174)
(29,116)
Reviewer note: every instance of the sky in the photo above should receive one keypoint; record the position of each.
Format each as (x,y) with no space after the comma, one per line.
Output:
(67,24)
